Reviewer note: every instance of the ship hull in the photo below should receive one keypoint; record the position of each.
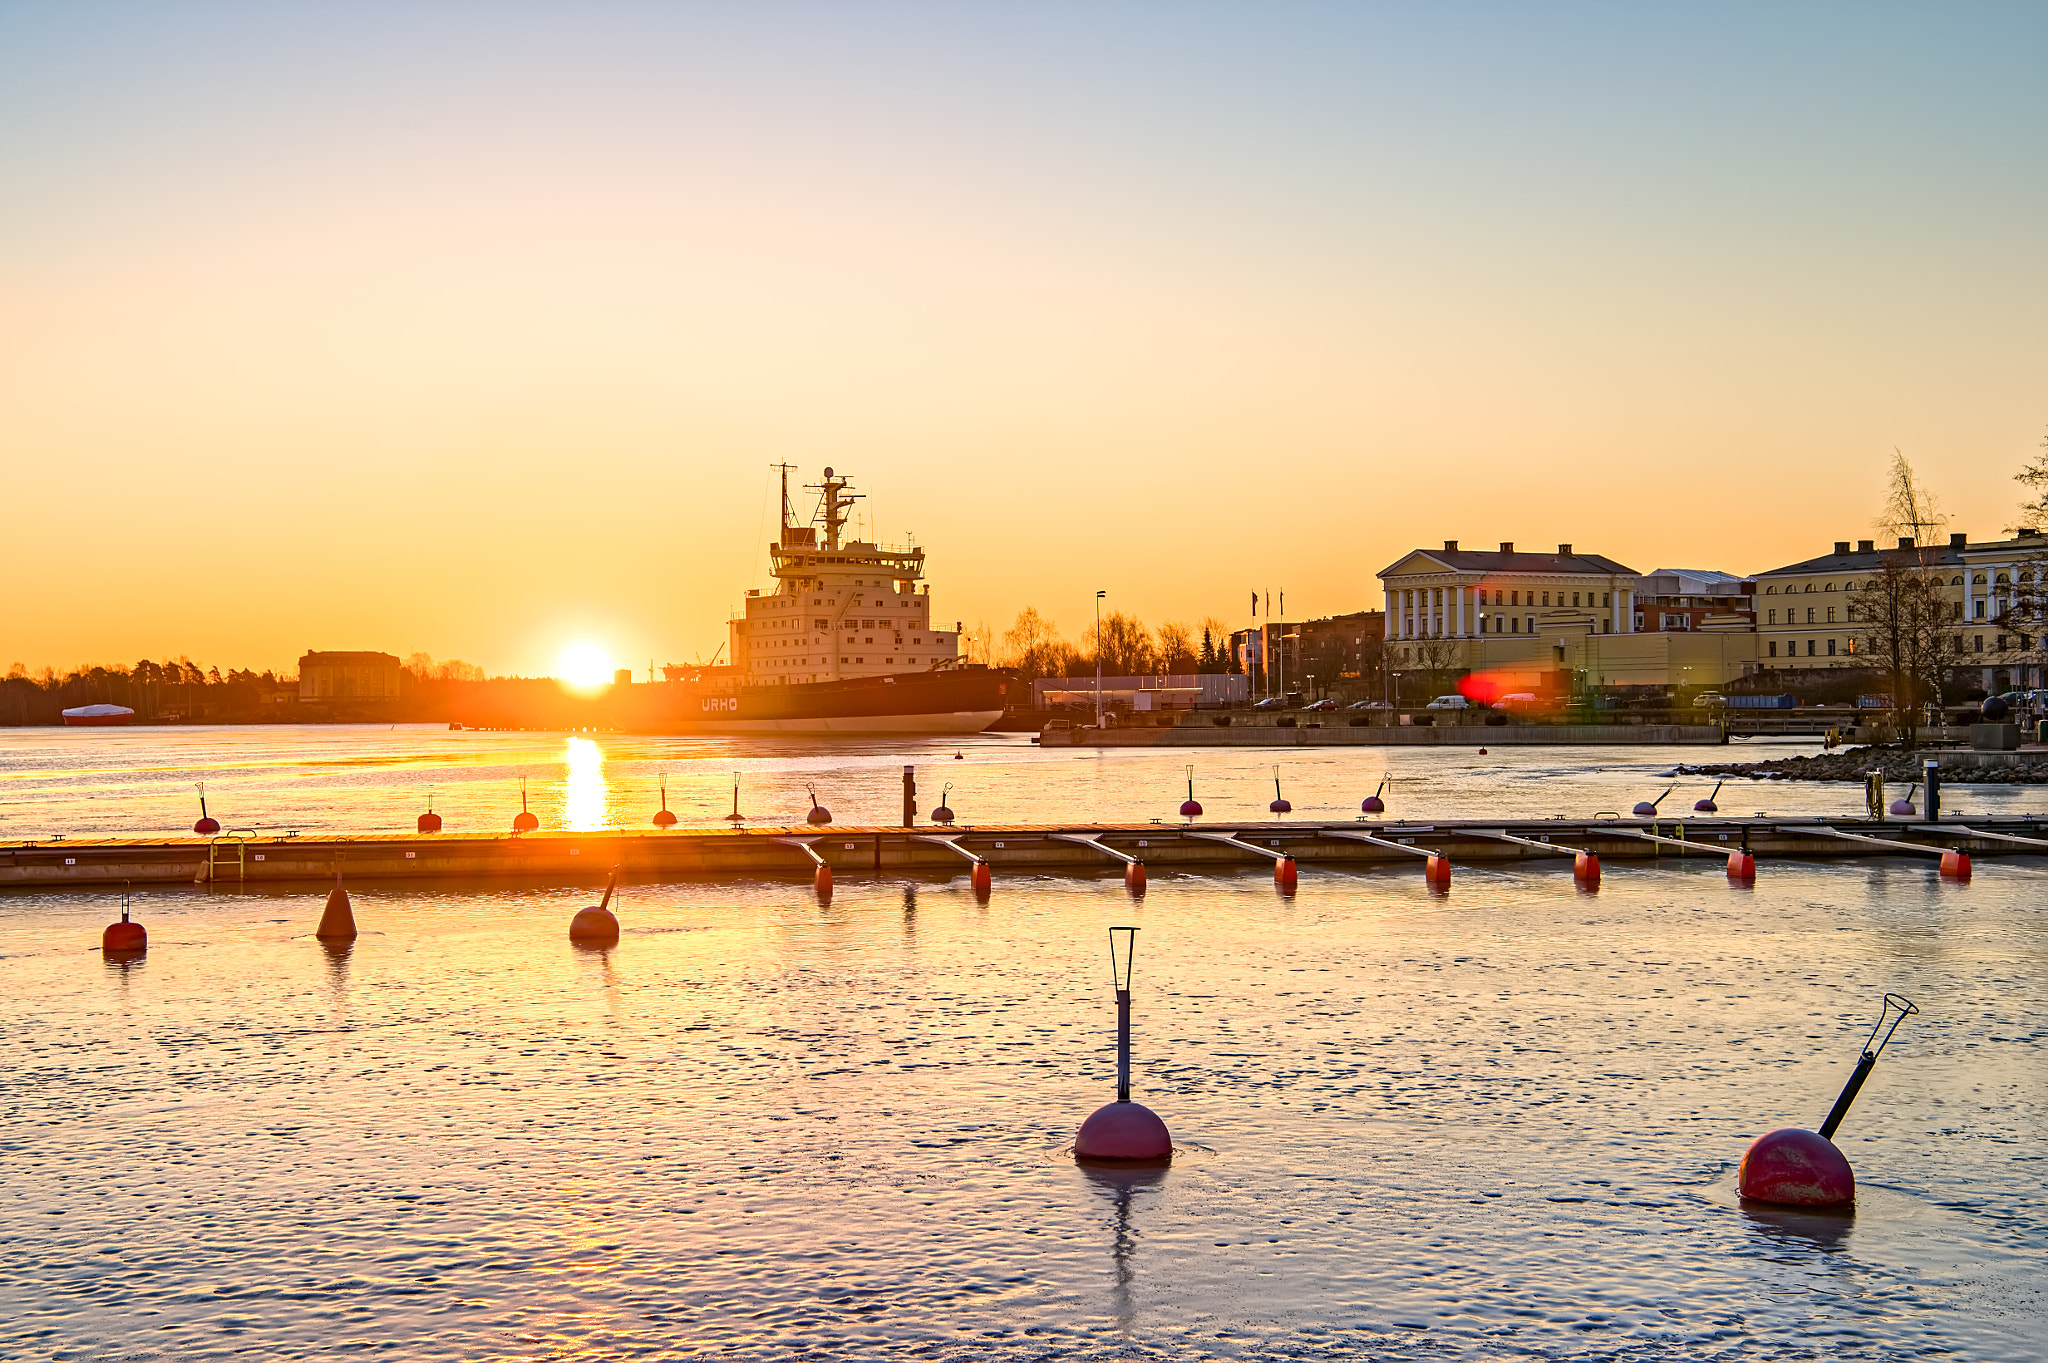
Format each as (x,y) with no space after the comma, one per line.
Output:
(944,701)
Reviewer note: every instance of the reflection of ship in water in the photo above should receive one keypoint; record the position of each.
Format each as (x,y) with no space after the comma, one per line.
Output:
(843,643)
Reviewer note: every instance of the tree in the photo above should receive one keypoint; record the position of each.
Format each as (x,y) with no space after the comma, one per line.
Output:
(2034,477)
(1177,647)
(1909,507)
(1123,645)
(1033,648)
(1908,633)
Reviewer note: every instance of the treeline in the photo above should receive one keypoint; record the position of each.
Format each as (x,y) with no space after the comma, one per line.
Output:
(179,687)
(1033,647)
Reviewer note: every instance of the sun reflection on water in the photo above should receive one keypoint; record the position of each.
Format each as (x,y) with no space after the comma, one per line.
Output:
(585,797)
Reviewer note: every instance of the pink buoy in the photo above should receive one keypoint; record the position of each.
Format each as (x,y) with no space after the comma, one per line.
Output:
(1796,1168)
(1127,1133)
(1373,804)
(1189,809)
(207,825)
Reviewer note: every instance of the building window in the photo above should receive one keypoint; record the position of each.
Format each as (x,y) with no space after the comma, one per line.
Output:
(1607,598)
(1810,646)
(2000,644)
(1575,598)
(1980,610)
(1977,644)
(1774,648)
(1809,619)
(1774,618)
(1546,598)
(1831,615)
(1831,648)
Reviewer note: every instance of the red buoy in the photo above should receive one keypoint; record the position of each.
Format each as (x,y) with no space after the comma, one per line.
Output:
(822,882)
(1436,871)
(1188,808)
(1586,868)
(662,817)
(525,821)
(430,822)
(1134,877)
(337,919)
(207,825)
(1284,874)
(983,879)
(1796,1168)
(1126,1133)
(1280,804)
(819,814)
(595,926)
(1373,804)
(1955,864)
(124,938)
(1741,866)
(1482,752)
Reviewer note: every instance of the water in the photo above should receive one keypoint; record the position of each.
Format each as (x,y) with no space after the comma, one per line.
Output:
(1496,1124)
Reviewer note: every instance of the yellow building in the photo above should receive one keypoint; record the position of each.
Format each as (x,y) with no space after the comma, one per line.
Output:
(348,676)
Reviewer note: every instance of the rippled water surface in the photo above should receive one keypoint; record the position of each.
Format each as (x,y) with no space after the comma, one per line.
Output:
(1499,1123)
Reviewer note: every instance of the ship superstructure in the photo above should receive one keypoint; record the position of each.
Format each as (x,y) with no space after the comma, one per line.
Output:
(838,610)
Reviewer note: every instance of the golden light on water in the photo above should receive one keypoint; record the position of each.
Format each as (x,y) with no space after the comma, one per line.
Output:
(584,665)
(584,802)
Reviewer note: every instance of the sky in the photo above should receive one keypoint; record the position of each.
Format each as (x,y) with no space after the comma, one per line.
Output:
(473,329)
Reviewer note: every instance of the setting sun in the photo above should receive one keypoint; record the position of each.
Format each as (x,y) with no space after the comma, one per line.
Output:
(584,664)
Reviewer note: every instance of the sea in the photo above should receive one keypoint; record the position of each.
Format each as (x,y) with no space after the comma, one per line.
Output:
(1501,1122)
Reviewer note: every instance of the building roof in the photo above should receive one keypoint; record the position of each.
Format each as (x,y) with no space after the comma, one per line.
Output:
(1456,560)
(315,658)
(1860,560)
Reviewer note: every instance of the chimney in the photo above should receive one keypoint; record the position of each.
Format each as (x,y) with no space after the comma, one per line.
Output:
(1507,546)
(1841,546)
(1865,546)
(1958,540)
(1450,546)
(1564,551)
(2025,532)
(1905,541)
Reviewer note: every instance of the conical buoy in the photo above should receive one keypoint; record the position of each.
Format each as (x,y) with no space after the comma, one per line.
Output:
(1707,806)
(944,812)
(1134,877)
(818,814)
(595,925)
(1796,1168)
(207,825)
(124,938)
(1586,869)
(1284,874)
(1436,871)
(338,919)
(1955,864)
(1373,804)
(430,822)
(1647,809)
(1280,804)
(525,821)
(983,879)
(663,818)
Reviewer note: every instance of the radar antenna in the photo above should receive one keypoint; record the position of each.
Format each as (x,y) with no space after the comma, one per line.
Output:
(835,504)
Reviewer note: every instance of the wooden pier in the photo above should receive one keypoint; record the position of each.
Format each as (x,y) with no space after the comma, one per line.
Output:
(1208,846)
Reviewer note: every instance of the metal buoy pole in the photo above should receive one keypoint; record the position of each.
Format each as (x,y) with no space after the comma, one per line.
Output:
(1123,1045)
(1867,1060)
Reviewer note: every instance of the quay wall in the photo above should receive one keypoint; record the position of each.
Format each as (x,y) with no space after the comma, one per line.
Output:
(1240,735)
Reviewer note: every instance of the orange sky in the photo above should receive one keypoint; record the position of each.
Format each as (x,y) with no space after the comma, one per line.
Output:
(474,333)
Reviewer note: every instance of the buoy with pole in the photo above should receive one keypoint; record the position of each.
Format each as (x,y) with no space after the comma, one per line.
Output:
(735,818)
(1741,865)
(1373,804)
(525,821)
(1797,1168)
(665,817)
(944,812)
(1123,1132)
(1707,806)
(1647,809)
(338,918)
(1189,809)
(1280,804)
(430,822)
(595,926)
(207,825)
(818,814)
(125,938)
(1903,806)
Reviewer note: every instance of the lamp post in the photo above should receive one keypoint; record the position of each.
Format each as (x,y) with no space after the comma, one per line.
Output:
(1123,1131)
(1098,658)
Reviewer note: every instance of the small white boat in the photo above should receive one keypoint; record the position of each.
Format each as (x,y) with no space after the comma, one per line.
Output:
(98,714)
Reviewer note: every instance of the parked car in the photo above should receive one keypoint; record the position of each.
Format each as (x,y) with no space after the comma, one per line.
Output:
(1517,700)
(1449,703)
(1707,700)
(1370,705)
(1324,704)
(1271,703)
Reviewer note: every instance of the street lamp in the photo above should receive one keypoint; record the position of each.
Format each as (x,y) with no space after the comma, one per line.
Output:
(1098,658)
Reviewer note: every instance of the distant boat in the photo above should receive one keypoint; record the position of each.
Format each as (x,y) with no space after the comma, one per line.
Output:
(99,715)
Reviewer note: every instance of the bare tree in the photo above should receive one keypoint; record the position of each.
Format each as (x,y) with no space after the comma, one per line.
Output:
(1124,645)
(1176,646)
(1033,648)
(1910,508)
(1908,633)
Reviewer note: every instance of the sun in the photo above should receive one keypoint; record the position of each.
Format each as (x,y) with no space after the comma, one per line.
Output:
(584,665)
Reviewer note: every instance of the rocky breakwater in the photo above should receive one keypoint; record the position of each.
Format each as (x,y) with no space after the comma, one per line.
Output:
(1853,764)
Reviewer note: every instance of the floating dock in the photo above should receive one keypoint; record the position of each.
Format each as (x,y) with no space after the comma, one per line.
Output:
(1205,847)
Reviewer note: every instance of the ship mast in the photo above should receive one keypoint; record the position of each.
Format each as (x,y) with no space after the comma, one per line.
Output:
(788,511)
(835,504)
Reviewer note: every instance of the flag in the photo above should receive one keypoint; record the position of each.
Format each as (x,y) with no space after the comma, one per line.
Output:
(1283,604)
(1255,603)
